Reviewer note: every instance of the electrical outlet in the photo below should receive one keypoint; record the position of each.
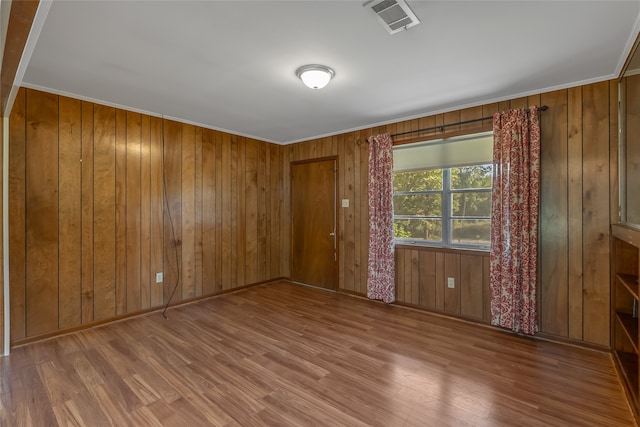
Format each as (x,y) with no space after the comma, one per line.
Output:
(451,282)
(159,277)
(345,203)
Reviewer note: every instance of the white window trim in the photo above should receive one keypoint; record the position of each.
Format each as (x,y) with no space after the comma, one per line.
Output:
(446,193)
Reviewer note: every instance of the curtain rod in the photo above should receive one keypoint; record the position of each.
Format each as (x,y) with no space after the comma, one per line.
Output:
(441,127)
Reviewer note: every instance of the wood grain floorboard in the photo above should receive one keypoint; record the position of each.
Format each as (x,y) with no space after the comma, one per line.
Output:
(288,355)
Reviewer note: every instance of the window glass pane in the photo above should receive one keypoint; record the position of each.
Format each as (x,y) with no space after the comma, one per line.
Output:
(423,180)
(418,204)
(471,203)
(471,177)
(471,231)
(443,185)
(423,229)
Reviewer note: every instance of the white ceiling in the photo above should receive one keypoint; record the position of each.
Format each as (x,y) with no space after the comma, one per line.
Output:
(230,65)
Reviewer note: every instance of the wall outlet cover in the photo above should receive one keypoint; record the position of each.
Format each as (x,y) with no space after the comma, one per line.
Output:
(159,277)
(451,282)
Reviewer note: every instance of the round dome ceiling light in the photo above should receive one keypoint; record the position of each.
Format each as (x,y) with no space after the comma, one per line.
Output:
(315,76)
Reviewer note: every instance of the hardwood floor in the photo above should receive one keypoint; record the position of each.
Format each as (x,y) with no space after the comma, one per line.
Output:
(283,354)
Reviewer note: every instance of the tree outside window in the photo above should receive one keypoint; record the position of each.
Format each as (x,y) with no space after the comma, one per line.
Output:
(448,206)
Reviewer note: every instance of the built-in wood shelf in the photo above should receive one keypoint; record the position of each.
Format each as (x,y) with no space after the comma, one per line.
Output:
(630,373)
(625,297)
(631,283)
(629,327)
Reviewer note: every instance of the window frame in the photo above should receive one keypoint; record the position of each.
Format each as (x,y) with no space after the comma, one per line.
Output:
(447,207)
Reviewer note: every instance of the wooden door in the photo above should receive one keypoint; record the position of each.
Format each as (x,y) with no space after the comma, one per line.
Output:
(313,223)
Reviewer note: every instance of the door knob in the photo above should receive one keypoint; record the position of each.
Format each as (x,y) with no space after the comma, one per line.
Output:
(332,234)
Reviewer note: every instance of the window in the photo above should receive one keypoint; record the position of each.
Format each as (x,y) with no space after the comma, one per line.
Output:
(442,192)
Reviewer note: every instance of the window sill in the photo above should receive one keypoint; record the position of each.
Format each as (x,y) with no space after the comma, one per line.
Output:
(436,247)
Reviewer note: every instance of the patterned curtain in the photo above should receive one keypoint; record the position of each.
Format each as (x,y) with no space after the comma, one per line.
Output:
(514,219)
(381,271)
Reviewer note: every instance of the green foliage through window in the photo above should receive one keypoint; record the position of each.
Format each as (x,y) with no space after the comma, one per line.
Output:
(451,206)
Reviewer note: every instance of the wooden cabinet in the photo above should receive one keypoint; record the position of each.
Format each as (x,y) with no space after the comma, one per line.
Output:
(625,297)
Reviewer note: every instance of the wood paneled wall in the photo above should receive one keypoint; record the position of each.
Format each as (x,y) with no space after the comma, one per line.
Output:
(89,225)
(578,201)
(421,281)
(87,237)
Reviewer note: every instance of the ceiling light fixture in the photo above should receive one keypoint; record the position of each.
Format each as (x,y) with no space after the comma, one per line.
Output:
(315,76)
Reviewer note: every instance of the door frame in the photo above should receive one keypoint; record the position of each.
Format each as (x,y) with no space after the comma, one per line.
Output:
(336,207)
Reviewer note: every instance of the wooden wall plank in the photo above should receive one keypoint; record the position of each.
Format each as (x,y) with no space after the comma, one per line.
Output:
(218,217)
(415,278)
(226,212)
(17,207)
(452,117)
(242,214)
(427,123)
(452,296)
(172,211)
(440,281)
(471,286)
(262,221)
(208,212)
(233,213)
(427,273)
(519,103)
(439,121)
(41,213)
(472,113)
(133,211)
(534,100)
(121,212)
(251,205)
(145,212)
(266,212)
(287,157)
(406,280)
(614,192)
(199,230)
(88,298)
(358,286)
(70,211)
(400,275)
(364,212)
(553,243)
(157,204)
(348,174)
(276,196)
(596,219)
(488,110)
(486,288)
(574,211)
(104,212)
(614,170)
(403,127)
(342,213)
(188,207)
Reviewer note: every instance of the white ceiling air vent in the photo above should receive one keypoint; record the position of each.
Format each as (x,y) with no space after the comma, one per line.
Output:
(395,15)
